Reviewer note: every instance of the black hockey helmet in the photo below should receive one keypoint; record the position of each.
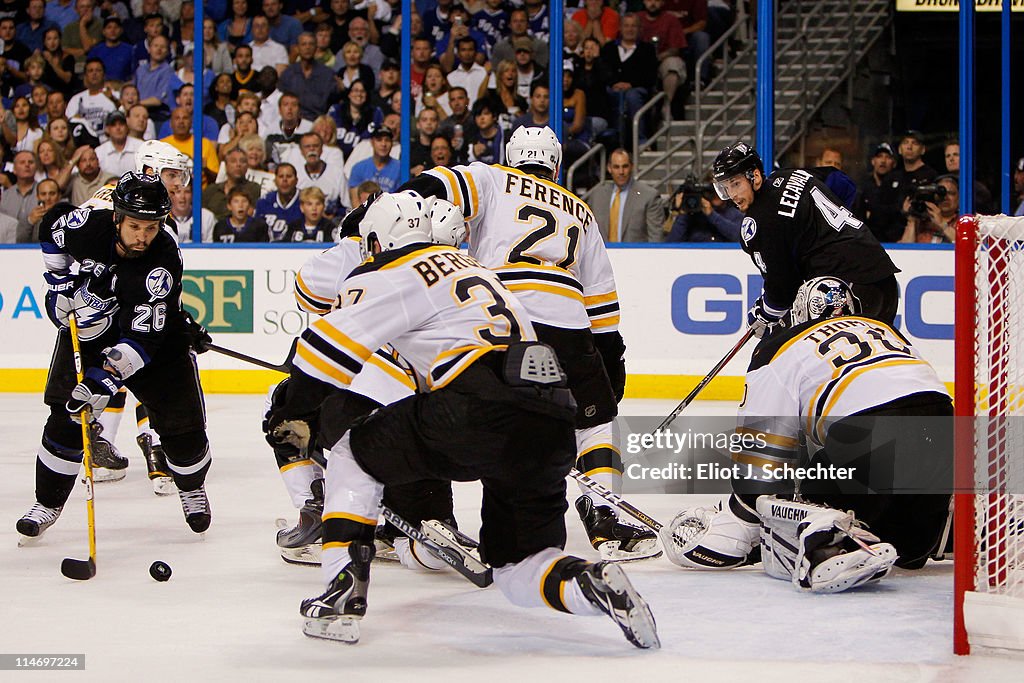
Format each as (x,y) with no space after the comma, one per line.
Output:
(738,158)
(141,196)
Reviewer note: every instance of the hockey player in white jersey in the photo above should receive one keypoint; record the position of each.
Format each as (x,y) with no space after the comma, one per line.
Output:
(876,424)
(494,408)
(544,244)
(384,379)
(174,168)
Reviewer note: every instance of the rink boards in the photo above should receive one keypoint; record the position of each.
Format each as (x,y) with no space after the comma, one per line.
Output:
(682,308)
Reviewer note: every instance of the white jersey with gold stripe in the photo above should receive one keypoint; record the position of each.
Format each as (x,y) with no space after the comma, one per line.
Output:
(318,281)
(101,198)
(804,379)
(385,377)
(440,309)
(541,239)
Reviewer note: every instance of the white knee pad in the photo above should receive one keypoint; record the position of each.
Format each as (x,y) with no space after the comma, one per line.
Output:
(414,556)
(709,538)
(819,549)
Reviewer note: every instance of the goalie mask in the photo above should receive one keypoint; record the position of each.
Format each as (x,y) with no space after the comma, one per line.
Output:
(823,298)
(447,224)
(395,220)
(161,157)
(534,146)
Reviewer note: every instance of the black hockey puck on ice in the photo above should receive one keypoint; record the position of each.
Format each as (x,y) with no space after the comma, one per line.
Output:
(160,571)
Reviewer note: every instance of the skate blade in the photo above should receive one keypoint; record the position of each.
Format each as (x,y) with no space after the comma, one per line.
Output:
(28,541)
(101,475)
(306,555)
(338,629)
(643,550)
(385,552)
(638,623)
(164,486)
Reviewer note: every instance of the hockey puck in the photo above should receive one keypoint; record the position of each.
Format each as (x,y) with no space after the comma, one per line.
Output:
(160,571)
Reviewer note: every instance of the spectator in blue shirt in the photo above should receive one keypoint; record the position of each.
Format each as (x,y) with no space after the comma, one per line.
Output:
(380,168)
(281,207)
(30,34)
(157,81)
(61,12)
(184,96)
(116,55)
(283,28)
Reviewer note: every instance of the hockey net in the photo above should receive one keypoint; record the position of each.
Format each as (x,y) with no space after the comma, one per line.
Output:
(989,513)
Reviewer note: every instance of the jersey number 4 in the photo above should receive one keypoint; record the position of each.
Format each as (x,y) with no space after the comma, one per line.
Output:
(521,251)
(467,290)
(836,216)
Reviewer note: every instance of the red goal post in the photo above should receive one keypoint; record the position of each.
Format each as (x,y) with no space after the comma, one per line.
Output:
(989,389)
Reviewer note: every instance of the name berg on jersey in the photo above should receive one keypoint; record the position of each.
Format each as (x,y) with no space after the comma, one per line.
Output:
(791,193)
(436,266)
(531,189)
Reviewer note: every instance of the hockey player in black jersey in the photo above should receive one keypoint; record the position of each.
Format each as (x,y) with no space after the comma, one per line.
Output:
(795,229)
(120,273)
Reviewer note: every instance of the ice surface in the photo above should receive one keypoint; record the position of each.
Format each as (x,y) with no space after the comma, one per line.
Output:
(230,610)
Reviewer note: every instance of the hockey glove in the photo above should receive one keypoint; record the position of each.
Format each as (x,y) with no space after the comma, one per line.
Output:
(94,392)
(284,450)
(613,355)
(350,223)
(198,337)
(60,298)
(763,318)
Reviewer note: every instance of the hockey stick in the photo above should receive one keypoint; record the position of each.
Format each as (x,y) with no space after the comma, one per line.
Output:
(481,580)
(285,367)
(616,500)
(707,380)
(70,567)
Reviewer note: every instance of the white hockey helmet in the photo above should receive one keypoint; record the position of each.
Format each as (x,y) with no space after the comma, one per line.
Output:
(538,146)
(159,156)
(447,224)
(824,297)
(396,219)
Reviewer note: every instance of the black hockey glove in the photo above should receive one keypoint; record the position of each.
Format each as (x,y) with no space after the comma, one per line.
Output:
(764,318)
(60,298)
(293,418)
(198,337)
(94,392)
(350,223)
(613,354)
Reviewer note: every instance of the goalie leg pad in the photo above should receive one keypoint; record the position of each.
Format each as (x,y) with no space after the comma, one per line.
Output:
(819,549)
(721,537)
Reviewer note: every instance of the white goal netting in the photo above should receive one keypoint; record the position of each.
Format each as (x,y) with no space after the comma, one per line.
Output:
(992,585)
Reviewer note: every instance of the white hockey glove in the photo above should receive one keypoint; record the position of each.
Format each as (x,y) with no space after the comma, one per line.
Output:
(709,538)
(819,549)
(764,318)
(93,392)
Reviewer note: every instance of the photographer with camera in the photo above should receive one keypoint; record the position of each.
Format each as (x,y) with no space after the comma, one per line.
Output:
(932,211)
(626,209)
(701,216)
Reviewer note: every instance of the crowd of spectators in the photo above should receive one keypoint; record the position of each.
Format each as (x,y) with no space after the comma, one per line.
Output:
(306,95)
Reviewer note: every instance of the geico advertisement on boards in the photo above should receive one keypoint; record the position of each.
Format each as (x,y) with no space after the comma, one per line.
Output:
(682,309)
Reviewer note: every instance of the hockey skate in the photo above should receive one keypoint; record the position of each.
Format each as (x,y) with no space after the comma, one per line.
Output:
(616,541)
(38,519)
(605,585)
(335,614)
(301,543)
(107,462)
(196,507)
(156,464)
(384,543)
(450,538)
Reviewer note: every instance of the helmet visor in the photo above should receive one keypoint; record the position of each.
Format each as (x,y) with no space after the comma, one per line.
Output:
(734,182)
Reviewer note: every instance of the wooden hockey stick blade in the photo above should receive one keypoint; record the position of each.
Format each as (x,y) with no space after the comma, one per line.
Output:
(238,355)
(616,500)
(451,559)
(79,570)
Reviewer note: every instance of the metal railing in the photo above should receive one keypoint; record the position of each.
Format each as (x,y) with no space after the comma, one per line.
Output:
(599,150)
(663,130)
